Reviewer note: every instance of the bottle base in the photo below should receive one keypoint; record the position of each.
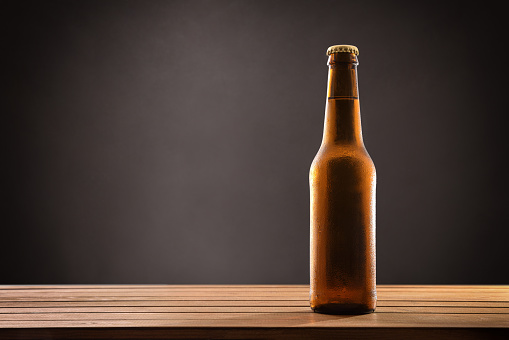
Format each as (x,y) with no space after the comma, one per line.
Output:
(343,309)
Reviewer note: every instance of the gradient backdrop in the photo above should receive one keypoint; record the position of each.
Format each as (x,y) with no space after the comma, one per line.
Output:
(170,141)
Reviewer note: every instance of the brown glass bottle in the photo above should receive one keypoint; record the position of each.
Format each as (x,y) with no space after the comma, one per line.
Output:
(342,182)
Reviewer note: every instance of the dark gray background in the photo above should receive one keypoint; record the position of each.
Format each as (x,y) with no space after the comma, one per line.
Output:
(170,141)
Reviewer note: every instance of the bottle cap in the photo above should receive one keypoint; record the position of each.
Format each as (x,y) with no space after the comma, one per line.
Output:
(343,48)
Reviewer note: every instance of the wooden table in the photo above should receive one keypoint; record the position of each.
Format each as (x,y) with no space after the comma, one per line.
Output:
(247,311)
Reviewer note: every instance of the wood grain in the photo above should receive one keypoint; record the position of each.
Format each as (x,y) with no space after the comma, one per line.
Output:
(247,311)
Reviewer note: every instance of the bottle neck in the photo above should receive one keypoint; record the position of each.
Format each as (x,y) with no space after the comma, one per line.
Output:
(342,111)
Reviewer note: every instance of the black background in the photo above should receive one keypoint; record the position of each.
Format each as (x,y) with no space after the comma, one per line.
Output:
(170,141)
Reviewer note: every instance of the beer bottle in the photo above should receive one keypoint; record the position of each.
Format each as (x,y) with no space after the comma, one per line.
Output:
(342,182)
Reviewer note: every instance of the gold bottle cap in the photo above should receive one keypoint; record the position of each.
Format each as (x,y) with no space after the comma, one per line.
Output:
(343,48)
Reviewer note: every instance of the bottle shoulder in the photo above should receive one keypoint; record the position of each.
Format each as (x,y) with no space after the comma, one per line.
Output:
(340,151)
(343,156)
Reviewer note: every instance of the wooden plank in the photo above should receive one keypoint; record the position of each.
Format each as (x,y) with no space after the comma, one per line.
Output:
(154,298)
(239,303)
(227,286)
(242,309)
(265,296)
(444,295)
(156,293)
(433,286)
(429,303)
(439,296)
(219,298)
(458,297)
(4,312)
(148,286)
(471,299)
(309,319)
(6,289)
(235,291)
(235,288)
(158,303)
(166,292)
(118,291)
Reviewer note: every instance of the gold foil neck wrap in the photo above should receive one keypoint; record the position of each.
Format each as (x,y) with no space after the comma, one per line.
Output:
(343,48)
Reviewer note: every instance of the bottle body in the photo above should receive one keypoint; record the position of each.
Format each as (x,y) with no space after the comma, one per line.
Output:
(342,182)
